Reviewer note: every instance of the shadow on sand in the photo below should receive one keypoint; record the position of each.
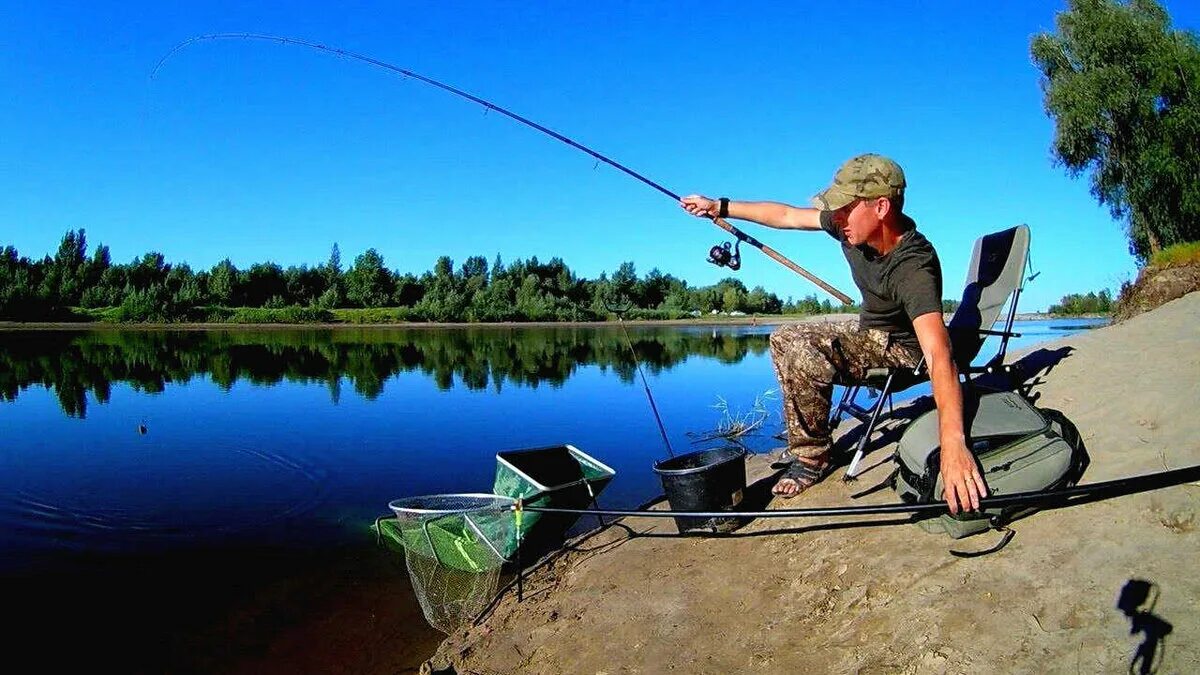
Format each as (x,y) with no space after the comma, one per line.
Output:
(1137,600)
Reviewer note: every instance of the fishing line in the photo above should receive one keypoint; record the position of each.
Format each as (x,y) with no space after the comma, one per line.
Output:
(719,222)
(645,385)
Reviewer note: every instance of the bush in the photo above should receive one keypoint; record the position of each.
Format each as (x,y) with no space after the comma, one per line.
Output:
(377,315)
(656,314)
(145,305)
(329,299)
(292,314)
(1177,255)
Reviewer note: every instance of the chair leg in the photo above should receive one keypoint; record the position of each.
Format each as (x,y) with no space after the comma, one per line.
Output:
(884,395)
(848,393)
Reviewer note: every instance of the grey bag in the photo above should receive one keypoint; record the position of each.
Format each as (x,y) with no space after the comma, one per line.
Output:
(1020,448)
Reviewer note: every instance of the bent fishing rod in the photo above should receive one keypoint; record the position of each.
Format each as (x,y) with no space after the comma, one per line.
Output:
(1105,489)
(721,259)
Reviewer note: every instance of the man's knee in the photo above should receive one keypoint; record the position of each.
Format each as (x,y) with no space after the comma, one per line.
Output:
(781,338)
(795,336)
(804,354)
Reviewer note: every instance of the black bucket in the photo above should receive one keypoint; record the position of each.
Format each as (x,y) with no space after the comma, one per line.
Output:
(707,480)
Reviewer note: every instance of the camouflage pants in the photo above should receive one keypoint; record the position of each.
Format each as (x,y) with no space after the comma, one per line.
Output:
(810,358)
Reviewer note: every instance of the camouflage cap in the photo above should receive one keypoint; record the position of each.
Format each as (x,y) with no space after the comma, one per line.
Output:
(862,177)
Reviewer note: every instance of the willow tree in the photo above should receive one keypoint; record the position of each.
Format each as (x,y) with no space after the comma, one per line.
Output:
(1122,87)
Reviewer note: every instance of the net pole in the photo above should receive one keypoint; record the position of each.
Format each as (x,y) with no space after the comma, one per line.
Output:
(520,569)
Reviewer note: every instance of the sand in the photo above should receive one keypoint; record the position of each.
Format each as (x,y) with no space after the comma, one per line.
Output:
(832,596)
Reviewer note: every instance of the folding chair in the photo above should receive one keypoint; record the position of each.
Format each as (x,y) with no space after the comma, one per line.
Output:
(997,271)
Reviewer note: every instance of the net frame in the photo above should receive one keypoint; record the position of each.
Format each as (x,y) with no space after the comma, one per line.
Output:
(428,508)
(449,593)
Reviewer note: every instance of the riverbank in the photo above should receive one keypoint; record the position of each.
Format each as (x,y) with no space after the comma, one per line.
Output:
(838,596)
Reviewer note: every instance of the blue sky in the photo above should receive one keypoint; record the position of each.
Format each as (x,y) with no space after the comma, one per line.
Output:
(257,151)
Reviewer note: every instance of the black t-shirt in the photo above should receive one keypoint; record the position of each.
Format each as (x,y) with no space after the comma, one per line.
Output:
(897,287)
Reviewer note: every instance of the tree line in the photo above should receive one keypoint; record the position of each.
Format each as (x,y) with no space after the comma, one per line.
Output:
(1074,304)
(73,284)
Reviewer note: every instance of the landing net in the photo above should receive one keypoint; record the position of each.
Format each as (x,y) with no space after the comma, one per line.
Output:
(453,547)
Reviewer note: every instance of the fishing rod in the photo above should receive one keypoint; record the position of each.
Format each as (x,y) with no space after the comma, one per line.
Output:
(1065,496)
(1112,488)
(720,260)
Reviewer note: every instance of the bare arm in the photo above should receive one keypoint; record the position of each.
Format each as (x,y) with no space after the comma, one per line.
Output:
(960,473)
(772,214)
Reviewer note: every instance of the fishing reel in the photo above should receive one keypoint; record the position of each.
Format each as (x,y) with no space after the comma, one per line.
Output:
(721,255)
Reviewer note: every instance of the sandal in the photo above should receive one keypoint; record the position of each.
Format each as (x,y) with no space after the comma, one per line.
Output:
(805,475)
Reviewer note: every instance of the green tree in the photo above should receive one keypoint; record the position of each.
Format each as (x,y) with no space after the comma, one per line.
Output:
(652,290)
(334,291)
(183,288)
(474,276)
(221,282)
(109,289)
(1123,88)
(261,283)
(730,295)
(497,268)
(69,272)
(443,299)
(624,283)
(94,271)
(305,284)
(149,270)
(368,282)
(409,290)
(759,301)
(18,286)
(532,304)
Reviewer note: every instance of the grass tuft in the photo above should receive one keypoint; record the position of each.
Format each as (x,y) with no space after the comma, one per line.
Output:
(1178,255)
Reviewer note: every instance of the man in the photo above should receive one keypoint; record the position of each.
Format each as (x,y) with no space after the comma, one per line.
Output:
(898,273)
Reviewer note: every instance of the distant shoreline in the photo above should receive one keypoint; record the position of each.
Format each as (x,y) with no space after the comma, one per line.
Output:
(772,320)
(1042,316)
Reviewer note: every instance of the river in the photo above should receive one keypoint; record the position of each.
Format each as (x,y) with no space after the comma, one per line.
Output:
(163,492)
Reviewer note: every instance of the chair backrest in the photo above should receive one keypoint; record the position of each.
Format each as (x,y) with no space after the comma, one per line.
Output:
(996,273)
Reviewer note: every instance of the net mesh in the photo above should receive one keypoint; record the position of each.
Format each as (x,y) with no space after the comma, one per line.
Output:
(454,547)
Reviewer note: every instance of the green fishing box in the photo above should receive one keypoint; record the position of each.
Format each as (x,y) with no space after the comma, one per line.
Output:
(560,476)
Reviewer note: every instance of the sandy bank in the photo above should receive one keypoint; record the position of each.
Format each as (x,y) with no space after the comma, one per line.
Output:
(837,596)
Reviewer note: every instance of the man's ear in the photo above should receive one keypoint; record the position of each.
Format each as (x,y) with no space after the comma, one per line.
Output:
(883,206)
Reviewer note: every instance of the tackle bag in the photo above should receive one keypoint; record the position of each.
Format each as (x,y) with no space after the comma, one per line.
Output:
(1021,448)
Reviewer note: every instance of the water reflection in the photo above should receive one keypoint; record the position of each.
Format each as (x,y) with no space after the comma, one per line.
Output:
(74,363)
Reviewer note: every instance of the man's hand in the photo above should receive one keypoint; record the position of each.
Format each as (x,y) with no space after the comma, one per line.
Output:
(960,474)
(963,485)
(700,206)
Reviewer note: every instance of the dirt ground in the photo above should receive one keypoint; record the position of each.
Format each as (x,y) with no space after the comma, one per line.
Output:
(836,596)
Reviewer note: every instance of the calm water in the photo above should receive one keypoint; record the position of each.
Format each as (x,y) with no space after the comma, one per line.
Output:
(173,475)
